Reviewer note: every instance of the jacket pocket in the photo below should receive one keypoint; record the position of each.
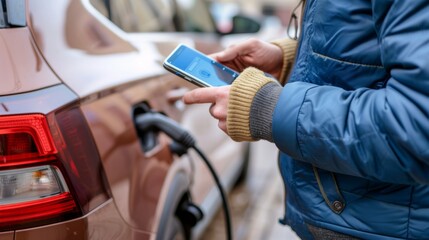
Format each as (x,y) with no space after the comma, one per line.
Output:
(329,189)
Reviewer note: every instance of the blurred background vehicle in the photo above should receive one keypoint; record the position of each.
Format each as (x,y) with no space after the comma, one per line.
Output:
(210,24)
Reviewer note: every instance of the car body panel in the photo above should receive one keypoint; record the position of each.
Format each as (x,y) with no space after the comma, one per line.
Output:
(23,63)
(87,55)
(135,177)
(105,223)
(7,235)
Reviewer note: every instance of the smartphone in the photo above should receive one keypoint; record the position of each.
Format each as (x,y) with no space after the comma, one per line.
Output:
(198,68)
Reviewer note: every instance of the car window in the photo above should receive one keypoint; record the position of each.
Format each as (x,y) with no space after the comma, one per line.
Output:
(12,13)
(194,16)
(157,15)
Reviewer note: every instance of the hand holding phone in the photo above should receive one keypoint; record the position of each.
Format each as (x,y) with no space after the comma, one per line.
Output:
(198,68)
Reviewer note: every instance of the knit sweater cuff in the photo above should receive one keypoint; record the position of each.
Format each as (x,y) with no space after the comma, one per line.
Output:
(262,109)
(242,92)
(289,49)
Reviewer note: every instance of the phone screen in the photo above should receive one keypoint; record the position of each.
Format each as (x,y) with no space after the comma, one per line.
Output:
(201,68)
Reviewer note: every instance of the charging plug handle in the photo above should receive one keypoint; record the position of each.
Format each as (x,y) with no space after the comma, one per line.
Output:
(154,121)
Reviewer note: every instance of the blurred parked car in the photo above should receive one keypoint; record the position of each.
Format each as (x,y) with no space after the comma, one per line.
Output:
(211,24)
(73,164)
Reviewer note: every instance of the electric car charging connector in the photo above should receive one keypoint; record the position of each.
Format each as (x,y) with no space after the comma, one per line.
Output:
(182,141)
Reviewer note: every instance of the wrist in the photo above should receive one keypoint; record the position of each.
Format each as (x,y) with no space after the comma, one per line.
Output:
(242,93)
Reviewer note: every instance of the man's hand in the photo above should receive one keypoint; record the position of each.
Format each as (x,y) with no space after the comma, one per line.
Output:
(252,53)
(217,96)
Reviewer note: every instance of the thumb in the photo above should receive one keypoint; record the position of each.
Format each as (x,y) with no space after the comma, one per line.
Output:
(225,55)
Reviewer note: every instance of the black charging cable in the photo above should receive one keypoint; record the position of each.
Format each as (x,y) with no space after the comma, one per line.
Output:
(183,140)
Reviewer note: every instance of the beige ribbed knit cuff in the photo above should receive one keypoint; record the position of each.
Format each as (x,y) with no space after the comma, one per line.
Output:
(242,92)
(289,49)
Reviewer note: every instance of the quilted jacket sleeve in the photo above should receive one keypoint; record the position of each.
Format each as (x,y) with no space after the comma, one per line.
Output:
(378,134)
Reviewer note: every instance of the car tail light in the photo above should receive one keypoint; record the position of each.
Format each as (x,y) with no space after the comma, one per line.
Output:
(49,169)
(29,193)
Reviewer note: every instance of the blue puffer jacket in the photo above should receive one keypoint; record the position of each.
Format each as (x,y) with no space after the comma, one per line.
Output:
(354,120)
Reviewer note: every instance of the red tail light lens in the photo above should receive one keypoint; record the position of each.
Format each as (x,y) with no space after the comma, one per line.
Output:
(79,158)
(24,139)
(30,194)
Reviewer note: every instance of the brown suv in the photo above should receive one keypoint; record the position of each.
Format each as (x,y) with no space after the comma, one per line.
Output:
(73,163)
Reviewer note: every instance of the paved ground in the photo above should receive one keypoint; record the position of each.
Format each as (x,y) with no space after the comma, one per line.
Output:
(257,204)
